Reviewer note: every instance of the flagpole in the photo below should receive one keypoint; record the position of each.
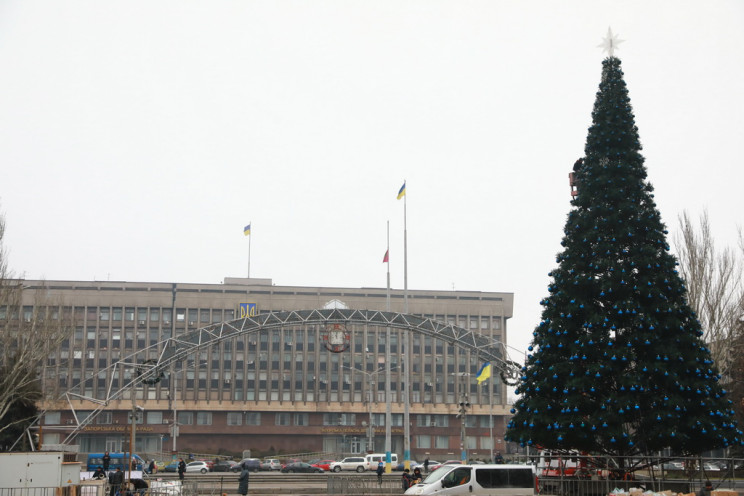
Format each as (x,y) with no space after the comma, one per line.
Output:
(406,348)
(388,411)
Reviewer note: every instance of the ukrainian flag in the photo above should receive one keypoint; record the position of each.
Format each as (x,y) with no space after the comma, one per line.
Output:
(484,372)
(402,191)
(247,230)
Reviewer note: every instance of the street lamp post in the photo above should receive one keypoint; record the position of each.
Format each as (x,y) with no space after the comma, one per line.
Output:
(370,381)
(462,414)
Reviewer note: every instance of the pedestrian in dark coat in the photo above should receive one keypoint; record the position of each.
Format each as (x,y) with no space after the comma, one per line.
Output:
(181,468)
(406,479)
(116,480)
(243,480)
(106,462)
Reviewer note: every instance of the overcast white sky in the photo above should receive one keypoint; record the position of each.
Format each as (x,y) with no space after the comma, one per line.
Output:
(137,138)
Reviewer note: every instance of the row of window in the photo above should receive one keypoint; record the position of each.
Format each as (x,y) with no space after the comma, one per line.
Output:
(280,418)
(201,316)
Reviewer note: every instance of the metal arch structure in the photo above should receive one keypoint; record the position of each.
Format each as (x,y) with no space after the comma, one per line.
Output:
(147,366)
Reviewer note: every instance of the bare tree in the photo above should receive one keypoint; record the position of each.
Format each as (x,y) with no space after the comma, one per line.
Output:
(714,285)
(30,331)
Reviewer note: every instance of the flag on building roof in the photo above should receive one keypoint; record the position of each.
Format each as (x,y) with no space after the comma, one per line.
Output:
(247,230)
(402,191)
(484,372)
(386,258)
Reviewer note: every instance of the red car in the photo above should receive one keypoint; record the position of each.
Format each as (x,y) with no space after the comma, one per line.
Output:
(324,464)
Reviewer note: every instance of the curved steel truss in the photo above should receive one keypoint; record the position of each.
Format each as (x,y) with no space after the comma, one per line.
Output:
(148,365)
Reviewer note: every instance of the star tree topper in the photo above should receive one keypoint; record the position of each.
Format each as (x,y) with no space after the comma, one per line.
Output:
(610,43)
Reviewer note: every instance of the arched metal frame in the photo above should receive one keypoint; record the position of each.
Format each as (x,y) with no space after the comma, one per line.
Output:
(146,369)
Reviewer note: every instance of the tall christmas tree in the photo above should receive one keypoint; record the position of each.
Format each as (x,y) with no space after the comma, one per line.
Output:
(617,364)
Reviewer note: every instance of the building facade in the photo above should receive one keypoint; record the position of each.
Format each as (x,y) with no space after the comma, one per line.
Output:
(274,391)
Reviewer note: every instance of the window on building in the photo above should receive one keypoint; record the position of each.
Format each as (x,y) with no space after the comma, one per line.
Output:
(253,418)
(484,421)
(154,417)
(234,418)
(471,421)
(52,418)
(203,418)
(186,418)
(104,418)
(167,315)
(441,442)
(471,442)
(105,314)
(180,314)
(301,419)
(129,314)
(282,418)
(423,442)
(154,315)
(486,443)
(204,315)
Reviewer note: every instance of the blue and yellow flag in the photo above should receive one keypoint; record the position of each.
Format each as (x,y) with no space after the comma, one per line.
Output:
(484,372)
(247,230)
(402,191)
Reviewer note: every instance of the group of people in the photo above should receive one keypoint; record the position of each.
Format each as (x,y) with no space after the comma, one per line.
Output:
(411,479)
(118,485)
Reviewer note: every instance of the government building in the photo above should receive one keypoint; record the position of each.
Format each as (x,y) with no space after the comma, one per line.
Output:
(275,391)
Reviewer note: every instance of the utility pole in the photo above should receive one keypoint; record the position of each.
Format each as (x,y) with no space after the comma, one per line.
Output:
(462,415)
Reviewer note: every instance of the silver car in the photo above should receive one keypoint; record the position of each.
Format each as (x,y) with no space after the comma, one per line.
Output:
(356,463)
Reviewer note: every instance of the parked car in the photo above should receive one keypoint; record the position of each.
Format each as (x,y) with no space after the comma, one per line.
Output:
(272,464)
(421,465)
(171,467)
(401,465)
(226,466)
(301,467)
(673,466)
(448,462)
(199,466)
(357,463)
(323,464)
(251,464)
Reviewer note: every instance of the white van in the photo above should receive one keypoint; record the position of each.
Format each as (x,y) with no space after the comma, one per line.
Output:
(372,460)
(498,480)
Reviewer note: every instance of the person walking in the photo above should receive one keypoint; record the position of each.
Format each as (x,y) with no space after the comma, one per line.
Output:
(243,480)
(426,465)
(181,468)
(106,462)
(380,471)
